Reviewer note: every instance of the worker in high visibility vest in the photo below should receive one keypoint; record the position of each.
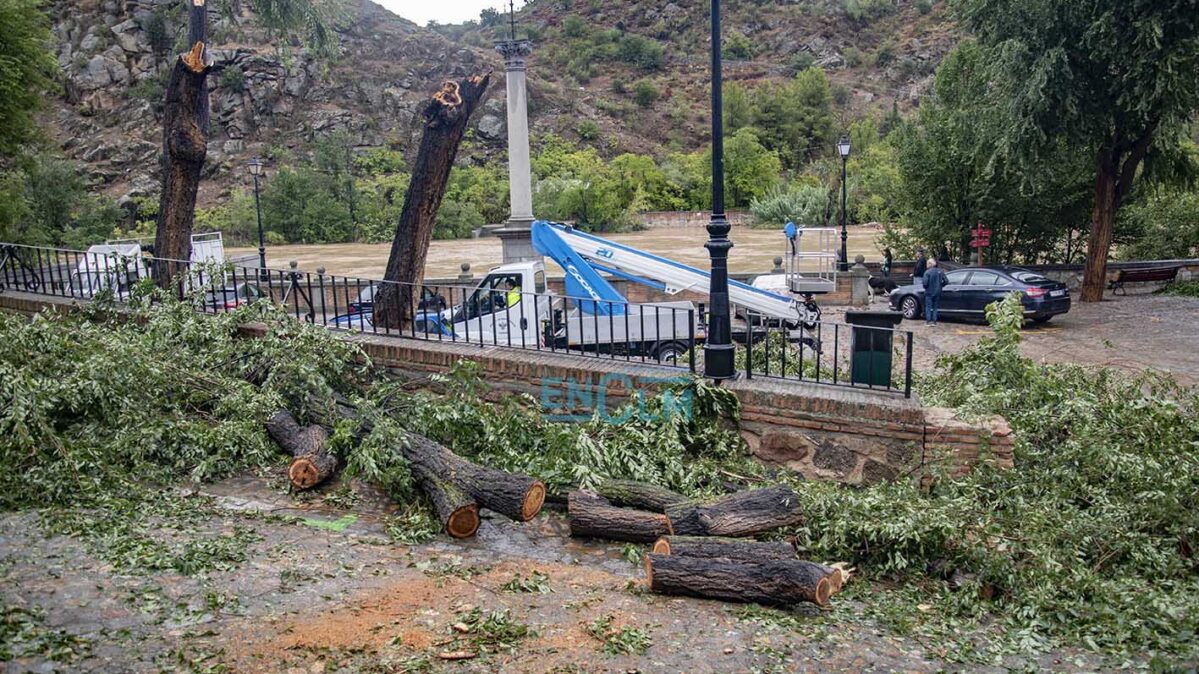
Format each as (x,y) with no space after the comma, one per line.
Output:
(513,294)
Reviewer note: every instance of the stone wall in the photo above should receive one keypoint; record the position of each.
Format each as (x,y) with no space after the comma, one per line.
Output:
(822,432)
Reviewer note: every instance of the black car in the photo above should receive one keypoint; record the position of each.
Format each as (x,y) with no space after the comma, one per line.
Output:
(970,289)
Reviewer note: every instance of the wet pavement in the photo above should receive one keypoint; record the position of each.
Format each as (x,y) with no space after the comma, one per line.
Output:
(324,590)
(1137,332)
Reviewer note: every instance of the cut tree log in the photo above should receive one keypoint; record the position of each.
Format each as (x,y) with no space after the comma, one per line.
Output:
(633,494)
(744,513)
(716,547)
(593,516)
(774,583)
(456,510)
(512,495)
(184,148)
(312,463)
(446,117)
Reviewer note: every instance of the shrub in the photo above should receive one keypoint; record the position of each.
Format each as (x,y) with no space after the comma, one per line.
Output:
(867,10)
(587,130)
(574,26)
(233,78)
(924,6)
(645,93)
(738,47)
(642,52)
(805,205)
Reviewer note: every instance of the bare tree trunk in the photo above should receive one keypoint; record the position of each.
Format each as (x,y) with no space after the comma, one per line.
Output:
(184,147)
(446,117)
(1103,218)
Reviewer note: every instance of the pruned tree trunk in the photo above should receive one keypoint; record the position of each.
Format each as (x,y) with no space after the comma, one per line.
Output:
(446,117)
(456,510)
(184,148)
(633,494)
(774,583)
(716,547)
(744,513)
(593,516)
(512,495)
(312,463)
(1116,169)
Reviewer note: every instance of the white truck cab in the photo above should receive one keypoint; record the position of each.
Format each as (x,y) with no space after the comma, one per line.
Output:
(506,308)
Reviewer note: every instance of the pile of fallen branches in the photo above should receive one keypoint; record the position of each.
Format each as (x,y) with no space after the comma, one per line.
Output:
(698,546)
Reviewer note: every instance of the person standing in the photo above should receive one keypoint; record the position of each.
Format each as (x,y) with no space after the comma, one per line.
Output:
(887,260)
(921,266)
(934,281)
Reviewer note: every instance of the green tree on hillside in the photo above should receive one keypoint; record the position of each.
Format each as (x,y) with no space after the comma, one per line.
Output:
(1111,78)
(750,169)
(795,118)
(27,71)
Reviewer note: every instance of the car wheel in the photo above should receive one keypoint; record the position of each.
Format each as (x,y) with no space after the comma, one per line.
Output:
(910,306)
(1041,319)
(670,352)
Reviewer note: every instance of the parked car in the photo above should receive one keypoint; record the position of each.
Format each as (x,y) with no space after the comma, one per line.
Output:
(429,300)
(232,297)
(426,323)
(970,289)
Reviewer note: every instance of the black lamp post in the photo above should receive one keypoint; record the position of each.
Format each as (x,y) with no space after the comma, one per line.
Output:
(843,148)
(256,171)
(719,349)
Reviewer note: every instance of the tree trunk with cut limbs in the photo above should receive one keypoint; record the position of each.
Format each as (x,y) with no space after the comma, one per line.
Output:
(773,583)
(312,463)
(184,147)
(446,117)
(512,495)
(745,513)
(594,516)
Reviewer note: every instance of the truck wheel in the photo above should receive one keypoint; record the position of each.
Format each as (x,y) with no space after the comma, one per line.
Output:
(670,352)
(910,307)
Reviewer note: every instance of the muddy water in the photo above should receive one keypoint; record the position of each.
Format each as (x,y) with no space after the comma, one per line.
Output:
(753,251)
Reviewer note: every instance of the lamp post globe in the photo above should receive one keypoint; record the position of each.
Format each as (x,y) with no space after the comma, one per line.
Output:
(255,167)
(844,148)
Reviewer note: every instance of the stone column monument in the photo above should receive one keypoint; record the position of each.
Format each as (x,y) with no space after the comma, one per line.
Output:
(516,234)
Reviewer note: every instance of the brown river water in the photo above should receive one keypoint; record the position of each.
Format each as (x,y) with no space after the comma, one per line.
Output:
(753,251)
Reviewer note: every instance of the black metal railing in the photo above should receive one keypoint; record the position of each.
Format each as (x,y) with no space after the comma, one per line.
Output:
(825,352)
(666,333)
(509,317)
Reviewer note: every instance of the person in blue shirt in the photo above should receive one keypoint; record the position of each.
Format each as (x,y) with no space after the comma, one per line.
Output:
(934,281)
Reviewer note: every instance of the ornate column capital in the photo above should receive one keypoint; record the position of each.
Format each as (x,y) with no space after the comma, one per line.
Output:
(514,52)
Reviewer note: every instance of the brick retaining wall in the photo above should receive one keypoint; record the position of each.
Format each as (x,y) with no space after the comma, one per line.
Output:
(822,432)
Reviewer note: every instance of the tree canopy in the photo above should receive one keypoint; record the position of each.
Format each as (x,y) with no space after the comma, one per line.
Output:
(1105,77)
(27,71)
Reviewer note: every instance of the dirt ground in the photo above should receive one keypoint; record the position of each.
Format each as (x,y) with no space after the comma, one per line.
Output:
(753,251)
(331,593)
(1137,332)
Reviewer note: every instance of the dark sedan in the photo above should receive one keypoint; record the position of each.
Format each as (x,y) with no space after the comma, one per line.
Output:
(970,289)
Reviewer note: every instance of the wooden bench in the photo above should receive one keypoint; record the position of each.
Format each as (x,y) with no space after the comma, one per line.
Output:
(1143,275)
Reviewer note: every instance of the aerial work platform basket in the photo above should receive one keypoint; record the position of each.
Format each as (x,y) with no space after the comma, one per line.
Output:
(811,259)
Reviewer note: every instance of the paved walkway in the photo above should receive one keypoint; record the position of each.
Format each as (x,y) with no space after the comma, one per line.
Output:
(1137,332)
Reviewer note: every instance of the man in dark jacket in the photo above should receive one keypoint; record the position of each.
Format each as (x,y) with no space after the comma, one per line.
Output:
(934,281)
(921,266)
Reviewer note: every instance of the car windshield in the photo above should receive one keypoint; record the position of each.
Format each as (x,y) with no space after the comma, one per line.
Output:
(1028,276)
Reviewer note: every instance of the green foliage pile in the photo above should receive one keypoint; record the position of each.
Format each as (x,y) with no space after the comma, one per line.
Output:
(91,405)
(1090,540)
(805,205)
(681,438)
(1182,289)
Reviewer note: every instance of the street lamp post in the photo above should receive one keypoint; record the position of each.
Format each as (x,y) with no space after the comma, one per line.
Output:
(719,349)
(843,147)
(256,171)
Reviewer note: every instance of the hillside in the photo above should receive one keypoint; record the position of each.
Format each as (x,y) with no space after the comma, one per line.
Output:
(271,98)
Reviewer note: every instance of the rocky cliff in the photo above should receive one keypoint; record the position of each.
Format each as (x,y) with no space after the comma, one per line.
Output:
(270,95)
